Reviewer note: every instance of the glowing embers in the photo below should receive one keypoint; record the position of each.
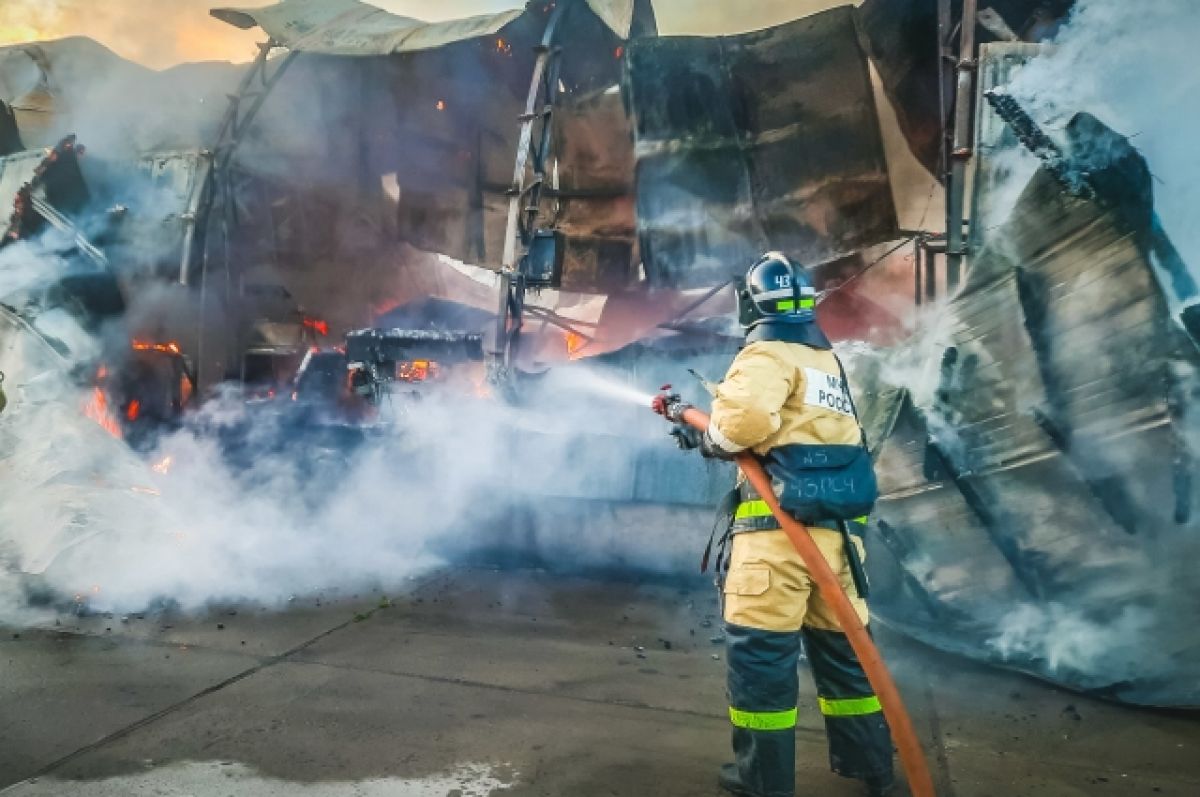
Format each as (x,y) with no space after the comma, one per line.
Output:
(165,348)
(417,371)
(503,46)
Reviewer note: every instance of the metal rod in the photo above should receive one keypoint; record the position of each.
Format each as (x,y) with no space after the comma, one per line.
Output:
(501,355)
(918,265)
(189,235)
(553,318)
(945,78)
(962,148)
(64,225)
(686,311)
(931,262)
(229,137)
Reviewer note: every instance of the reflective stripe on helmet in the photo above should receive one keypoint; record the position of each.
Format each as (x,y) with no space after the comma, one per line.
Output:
(789,305)
(763,720)
(786,293)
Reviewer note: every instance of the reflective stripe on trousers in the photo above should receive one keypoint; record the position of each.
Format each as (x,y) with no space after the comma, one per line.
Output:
(849,706)
(763,720)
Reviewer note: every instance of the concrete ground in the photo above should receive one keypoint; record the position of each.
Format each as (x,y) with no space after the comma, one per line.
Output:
(477,682)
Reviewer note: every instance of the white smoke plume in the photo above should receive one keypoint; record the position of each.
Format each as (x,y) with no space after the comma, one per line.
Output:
(1133,66)
(236,506)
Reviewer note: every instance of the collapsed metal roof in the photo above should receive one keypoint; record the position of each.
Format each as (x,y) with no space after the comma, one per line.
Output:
(349,27)
(770,139)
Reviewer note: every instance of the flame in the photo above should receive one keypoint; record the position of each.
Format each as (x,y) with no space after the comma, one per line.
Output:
(163,466)
(317,325)
(97,409)
(620,51)
(575,344)
(441,105)
(165,348)
(133,410)
(417,370)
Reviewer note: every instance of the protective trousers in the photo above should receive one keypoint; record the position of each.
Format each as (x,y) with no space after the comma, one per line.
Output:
(770,604)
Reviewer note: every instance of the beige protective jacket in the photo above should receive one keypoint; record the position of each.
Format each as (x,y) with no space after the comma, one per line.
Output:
(779,394)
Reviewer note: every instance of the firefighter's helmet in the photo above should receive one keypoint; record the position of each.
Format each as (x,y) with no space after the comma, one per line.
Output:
(778,301)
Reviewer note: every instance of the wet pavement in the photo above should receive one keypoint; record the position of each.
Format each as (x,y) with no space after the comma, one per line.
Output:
(474,682)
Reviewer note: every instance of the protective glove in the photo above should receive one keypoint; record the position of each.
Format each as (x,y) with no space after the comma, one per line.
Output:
(687,438)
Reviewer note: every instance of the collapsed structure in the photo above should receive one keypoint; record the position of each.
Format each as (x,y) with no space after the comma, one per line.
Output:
(639,174)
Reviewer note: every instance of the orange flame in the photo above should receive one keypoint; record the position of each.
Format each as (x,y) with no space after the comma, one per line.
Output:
(97,409)
(167,348)
(133,410)
(441,105)
(163,466)
(317,325)
(575,343)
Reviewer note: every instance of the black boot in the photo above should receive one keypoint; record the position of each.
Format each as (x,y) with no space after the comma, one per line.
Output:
(731,781)
(880,785)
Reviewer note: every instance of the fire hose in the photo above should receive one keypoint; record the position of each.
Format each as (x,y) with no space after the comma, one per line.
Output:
(912,757)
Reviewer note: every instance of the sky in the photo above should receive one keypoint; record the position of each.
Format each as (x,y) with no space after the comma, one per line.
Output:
(162,33)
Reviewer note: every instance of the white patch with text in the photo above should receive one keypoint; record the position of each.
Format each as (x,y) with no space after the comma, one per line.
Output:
(827,392)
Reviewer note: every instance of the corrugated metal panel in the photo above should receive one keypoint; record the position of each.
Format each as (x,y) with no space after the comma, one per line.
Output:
(768,140)
(1041,471)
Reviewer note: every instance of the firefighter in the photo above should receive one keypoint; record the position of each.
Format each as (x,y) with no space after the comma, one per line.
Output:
(786,394)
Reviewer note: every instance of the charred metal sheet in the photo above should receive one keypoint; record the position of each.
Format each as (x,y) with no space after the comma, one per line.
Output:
(903,40)
(594,194)
(768,140)
(448,140)
(1032,478)
(10,134)
(35,187)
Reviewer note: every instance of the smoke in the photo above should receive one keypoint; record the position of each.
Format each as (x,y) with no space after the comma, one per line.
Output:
(1069,643)
(1132,65)
(256,503)
(151,32)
